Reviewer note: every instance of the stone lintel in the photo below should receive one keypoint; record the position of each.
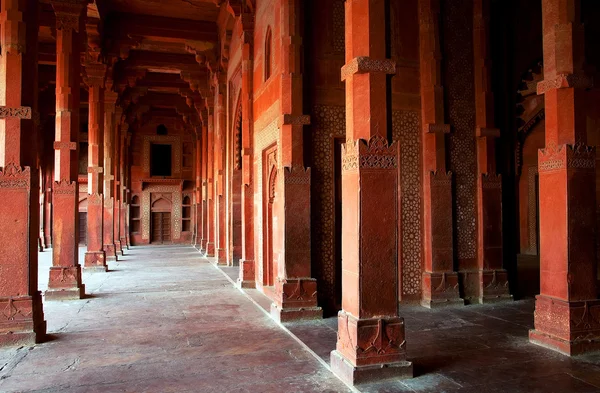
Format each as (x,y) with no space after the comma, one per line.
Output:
(364,65)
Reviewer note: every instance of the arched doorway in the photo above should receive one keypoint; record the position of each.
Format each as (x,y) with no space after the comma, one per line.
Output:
(269,268)
(161,221)
(530,138)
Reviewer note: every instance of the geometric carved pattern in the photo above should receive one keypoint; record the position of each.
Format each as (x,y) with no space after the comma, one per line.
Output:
(407,131)
(458,52)
(175,191)
(22,112)
(329,123)
(174,141)
(532,208)
(339,33)
(262,140)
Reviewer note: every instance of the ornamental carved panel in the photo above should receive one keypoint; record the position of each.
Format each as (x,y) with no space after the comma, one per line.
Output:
(329,123)
(175,191)
(459,82)
(406,130)
(263,139)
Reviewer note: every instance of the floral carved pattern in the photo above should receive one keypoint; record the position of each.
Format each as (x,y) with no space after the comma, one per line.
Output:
(14,176)
(175,191)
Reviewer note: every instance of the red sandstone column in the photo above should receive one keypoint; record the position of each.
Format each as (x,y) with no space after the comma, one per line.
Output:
(127,191)
(22,321)
(48,205)
(246,278)
(490,282)
(110,98)
(371,340)
(295,289)
(122,127)
(124,188)
(65,274)
(221,176)
(210,213)
(567,309)
(204,191)
(440,281)
(95,258)
(198,189)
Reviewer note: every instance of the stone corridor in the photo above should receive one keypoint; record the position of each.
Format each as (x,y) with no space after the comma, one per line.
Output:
(162,320)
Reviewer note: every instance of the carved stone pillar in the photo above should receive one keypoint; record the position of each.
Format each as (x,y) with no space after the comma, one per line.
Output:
(123,127)
(490,282)
(371,341)
(65,274)
(295,288)
(221,176)
(22,321)
(198,190)
(48,205)
(110,98)
(210,213)
(247,272)
(440,281)
(567,309)
(124,189)
(204,190)
(95,257)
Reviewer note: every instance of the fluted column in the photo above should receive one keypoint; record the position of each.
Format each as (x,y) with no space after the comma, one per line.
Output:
(22,322)
(65,274)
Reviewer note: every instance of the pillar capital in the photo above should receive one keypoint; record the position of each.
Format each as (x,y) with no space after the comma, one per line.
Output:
(95,75)
(68,14)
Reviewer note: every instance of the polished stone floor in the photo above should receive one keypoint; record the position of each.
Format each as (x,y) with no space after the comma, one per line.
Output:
(166,320)
(162,320)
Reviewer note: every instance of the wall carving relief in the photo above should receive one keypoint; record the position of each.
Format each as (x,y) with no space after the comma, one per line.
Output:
(175,191)
(263,139)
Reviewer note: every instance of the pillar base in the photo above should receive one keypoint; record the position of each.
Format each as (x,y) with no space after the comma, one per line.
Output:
(283,315)
(295,299)
(246,279)
(210,250)
(571,328)
(124,244)
(65,283)
(111,252)
(222,257)
(23,320)
(47,242)
(355,375)
(95,261)
(441,290)
(118,248)
(485,286)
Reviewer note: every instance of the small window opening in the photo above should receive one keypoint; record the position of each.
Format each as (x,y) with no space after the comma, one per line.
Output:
(160,160)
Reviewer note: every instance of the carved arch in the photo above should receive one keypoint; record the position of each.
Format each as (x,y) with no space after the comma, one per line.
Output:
(268,52)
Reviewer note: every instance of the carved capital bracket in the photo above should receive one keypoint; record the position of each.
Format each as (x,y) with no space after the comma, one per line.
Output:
(14,176)
(95,169)
(438,128)
(65,145)
(363,65)
(563,81)
(376,153)
(95,74)
(487,132)
(22,112)
(294,120)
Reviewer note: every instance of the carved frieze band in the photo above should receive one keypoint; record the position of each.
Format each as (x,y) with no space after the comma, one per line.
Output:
(491,182)
(438,128)
(64,187)
(363,65)
(377,154)
(22,112)
(95,169)
(297,175)
(95,199)
(578,81)
(579,157)
(14,176)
